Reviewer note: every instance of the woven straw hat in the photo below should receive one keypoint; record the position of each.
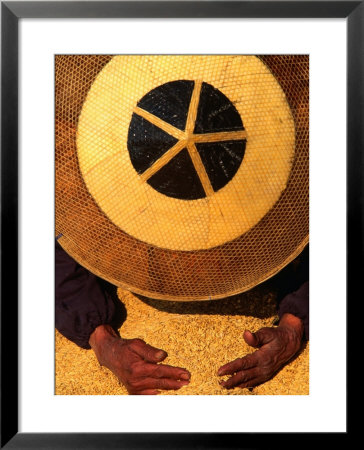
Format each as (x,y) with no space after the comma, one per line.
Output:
(182,177)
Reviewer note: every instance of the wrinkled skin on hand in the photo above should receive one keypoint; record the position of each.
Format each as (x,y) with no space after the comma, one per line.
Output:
(276,347)
(135,363)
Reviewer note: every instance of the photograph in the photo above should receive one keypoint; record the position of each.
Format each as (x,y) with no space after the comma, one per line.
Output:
(181,224)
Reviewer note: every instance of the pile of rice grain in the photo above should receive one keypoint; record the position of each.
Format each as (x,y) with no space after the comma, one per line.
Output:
(200,336)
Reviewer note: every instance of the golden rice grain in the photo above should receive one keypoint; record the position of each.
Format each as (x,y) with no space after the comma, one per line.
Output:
(200,336)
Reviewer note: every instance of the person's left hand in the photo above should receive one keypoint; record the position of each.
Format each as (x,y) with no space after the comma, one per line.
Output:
(276,347)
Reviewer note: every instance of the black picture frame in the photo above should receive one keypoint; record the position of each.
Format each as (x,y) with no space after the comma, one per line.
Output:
(11,12)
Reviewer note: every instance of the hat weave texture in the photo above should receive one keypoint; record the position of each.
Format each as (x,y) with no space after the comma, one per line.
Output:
(182,177)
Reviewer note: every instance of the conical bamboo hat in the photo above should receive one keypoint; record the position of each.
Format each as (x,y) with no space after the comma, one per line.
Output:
(182,177)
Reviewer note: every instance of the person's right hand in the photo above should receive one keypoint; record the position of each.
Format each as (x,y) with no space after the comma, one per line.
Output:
(135,363)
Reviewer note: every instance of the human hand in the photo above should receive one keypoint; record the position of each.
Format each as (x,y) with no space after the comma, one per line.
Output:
(276,347)
(135,363)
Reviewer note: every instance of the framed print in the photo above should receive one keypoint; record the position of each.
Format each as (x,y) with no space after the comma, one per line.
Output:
(331,33)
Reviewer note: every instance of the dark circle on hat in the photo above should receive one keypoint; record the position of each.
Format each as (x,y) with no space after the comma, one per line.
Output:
(147,142)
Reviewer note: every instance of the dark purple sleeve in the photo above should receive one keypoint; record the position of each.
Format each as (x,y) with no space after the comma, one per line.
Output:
(297,303)
(291,285)
(82,304)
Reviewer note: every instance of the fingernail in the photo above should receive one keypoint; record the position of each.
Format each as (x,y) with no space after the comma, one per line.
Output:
(159,354)
(184,376)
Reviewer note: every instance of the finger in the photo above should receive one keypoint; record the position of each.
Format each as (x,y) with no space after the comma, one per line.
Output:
(250,338)
(251,383)
(256,379)
(149,392)
(169,384)
(165,371)
(259,338)
(157,383)
(247,362)
(147,352)
(244,376)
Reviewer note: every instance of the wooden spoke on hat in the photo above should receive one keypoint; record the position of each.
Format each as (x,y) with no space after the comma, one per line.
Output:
(171,153)
(220,137)
(168,128)
(200,168)
(192,110)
